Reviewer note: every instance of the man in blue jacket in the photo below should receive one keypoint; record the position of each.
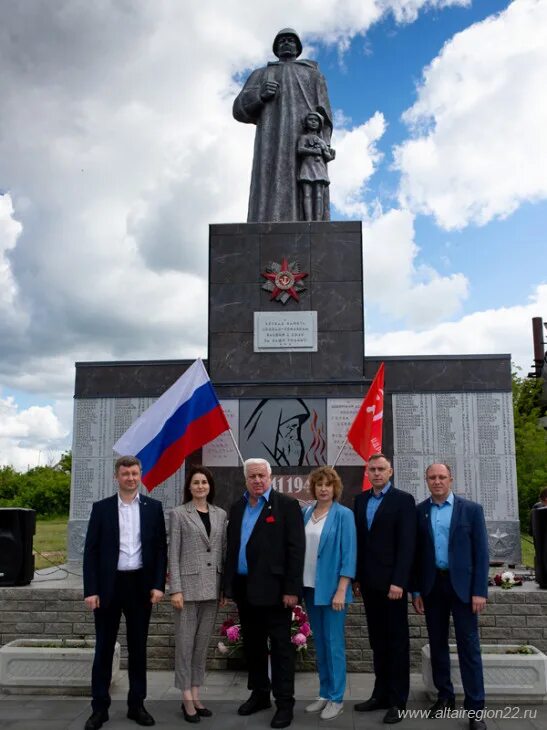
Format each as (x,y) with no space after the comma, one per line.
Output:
(125,561)
(451,577)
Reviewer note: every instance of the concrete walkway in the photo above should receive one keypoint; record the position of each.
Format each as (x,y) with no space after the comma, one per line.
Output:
(222,693)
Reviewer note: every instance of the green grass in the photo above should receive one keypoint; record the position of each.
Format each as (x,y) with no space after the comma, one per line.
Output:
(528,552)
(50,540)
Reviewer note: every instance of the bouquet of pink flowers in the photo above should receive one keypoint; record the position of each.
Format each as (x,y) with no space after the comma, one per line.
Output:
(231,630)
(300,628)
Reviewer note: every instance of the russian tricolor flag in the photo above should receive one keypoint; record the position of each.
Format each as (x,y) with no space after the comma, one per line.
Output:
(187,416)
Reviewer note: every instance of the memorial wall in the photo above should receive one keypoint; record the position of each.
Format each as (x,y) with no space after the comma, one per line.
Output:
(472,430)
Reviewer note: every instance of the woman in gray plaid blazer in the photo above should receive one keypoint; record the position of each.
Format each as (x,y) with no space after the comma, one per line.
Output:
(197,547)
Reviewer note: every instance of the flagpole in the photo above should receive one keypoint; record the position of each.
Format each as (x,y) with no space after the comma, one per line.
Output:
(236,447)
(338,454)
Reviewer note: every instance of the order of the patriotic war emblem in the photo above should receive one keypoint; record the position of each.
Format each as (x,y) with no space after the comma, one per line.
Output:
(284,280)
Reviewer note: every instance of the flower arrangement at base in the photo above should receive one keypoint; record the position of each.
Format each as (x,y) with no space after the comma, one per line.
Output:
(506,580)
(300,628)
(231,630)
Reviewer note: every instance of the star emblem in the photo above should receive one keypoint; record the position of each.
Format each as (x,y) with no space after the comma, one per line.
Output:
(284,280)
(499,536)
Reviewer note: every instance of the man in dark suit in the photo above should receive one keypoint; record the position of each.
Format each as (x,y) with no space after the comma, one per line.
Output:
(125,560)
(385,519)
(263,574)
(451,577)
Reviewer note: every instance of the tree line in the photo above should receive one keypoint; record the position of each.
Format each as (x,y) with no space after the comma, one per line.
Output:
(530,442)
(45,489)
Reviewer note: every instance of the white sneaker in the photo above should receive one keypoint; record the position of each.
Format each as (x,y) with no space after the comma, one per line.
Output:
(317,705)
(332,710)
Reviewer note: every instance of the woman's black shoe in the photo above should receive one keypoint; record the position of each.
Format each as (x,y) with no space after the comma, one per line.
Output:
(204,712)
(187,716)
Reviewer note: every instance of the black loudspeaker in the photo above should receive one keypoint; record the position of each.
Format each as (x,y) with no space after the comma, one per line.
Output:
(17,528)
(539,531)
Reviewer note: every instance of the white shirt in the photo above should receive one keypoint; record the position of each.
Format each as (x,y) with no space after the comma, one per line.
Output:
(129,520)
(313,535)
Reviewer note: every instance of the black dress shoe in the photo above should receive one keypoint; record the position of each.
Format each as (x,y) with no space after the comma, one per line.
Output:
(393,715)
(204,712)
(282,718)
(256,702)
(96,720)
(438,709)
(475,724)
(141,716)
(373,703)
(187,716)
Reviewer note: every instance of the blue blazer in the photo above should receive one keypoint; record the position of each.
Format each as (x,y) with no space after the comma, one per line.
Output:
(337,553)
(102,547)
(467,550)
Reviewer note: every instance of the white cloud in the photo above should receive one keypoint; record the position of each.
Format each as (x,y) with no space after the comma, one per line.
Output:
(480,120)
(118,149)
(396,284)
(502,330)
(356,158)
(9,231)
(29,437)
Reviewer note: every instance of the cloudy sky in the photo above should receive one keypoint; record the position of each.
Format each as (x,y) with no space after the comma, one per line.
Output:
(118,148)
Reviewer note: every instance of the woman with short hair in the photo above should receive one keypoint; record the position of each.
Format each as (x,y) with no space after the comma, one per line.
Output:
(330,561)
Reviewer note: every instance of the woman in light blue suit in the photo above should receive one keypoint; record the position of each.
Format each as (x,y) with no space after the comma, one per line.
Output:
(331,555)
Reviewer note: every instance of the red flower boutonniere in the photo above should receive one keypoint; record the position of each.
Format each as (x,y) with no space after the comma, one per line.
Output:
(270,519)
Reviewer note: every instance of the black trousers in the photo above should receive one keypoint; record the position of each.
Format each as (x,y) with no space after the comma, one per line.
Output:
(258,624)
(131,599)
(387,622)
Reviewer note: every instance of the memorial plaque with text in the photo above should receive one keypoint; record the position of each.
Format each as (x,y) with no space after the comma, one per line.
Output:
(285,331)
(340,415)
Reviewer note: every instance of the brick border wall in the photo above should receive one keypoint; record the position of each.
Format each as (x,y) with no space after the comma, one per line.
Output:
(517,616)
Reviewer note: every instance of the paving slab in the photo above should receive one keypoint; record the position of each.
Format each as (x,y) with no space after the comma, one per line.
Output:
(223,691)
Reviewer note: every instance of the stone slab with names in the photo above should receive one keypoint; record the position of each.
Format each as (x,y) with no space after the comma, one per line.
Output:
(285,331)
(98,424)
(473,433)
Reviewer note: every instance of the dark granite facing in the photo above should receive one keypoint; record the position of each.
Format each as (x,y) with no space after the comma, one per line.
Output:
(131,379)
(275,246)
(233,308)
(236,229)
(438,373)
(443,373)
(339,355)
(315,389)
(331,255)
(345,263)
(339,306)
(236,264)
